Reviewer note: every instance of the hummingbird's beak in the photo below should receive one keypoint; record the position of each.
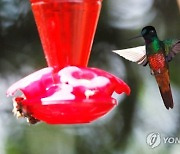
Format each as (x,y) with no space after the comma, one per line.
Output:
(135,37)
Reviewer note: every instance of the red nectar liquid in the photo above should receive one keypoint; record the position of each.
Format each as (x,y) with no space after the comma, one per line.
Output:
(66,29)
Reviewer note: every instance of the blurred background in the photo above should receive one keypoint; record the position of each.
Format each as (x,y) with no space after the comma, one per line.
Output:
(123,130)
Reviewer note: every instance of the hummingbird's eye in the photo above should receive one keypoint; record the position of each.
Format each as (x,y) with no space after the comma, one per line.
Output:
(151,31)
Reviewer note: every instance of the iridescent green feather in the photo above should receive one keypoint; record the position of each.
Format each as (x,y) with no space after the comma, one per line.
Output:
(168,45)
(171,48)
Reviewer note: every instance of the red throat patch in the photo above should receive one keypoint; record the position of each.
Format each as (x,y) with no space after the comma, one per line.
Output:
(156,61)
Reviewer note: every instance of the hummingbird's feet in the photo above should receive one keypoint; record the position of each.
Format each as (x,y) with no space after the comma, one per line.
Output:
(156,72)
(152,72)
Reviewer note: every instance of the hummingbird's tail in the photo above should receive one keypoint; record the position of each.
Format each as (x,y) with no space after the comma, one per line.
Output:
(167,98)
(165,88)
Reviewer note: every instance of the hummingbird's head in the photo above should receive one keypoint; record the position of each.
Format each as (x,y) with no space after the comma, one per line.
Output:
(149,33)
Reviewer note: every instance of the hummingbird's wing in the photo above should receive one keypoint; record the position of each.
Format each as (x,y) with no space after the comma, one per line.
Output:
(172,47)
(137,54)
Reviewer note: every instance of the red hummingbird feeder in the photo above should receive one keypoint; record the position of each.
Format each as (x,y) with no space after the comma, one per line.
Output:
(67,91)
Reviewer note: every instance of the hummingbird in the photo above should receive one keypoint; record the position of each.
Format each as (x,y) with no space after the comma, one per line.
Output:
(157,54)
